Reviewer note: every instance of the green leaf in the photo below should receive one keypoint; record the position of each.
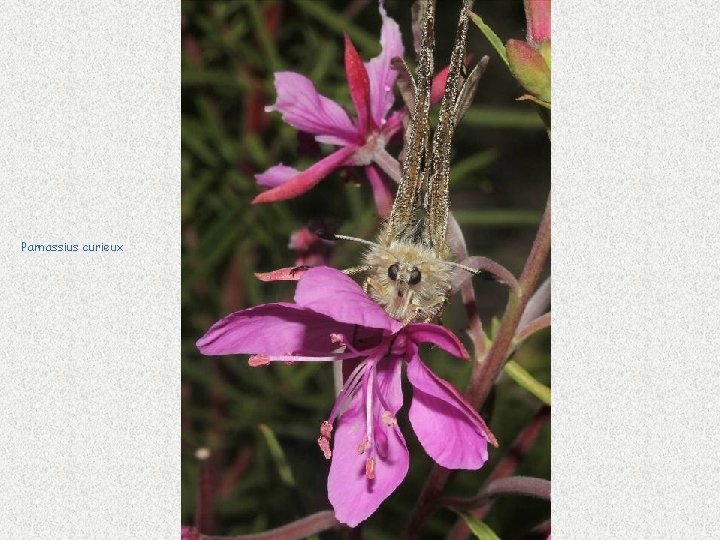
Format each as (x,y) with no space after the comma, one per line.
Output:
(278,456)
(491,37)
(521,376)
(340,24)
(471,165)
(498,218)
(477,527)
(500,117)
(275,63)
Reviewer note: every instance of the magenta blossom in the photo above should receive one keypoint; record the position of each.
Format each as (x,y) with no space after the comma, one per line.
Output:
(360,141)
(333,319)
(189,533)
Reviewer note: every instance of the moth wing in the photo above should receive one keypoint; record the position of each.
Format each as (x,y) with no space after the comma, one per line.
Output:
(467,92)
(459,92)
(405,83)
(410,192)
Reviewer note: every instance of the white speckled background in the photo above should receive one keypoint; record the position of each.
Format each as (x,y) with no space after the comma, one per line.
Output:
(636,270)
(90,351)
(89,360)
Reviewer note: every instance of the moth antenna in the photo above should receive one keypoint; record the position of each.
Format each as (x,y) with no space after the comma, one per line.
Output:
(360,240)
(330,236)
(463,267)
(482,273)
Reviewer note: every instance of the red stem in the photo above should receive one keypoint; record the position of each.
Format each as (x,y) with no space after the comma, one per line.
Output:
(296,530)
(204,517)
(529,486)
(486,372)
(518,450)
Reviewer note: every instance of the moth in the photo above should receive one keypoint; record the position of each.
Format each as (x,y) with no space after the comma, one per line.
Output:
(409,267)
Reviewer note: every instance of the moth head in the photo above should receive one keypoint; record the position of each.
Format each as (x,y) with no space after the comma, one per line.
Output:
(405,275)
(408,280)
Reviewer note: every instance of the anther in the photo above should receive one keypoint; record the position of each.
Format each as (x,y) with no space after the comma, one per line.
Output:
(324,445)
(337,338)
(257,360)
(324,439)
(326,429)
(370,468)
(363,445)
(388,419)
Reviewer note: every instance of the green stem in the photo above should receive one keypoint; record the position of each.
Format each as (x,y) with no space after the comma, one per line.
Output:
(521,376)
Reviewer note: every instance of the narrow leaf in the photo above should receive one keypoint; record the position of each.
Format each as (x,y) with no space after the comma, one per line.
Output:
(521,376)
(477,527)
(498,218)
(491,36)
(278,456)
(336,22)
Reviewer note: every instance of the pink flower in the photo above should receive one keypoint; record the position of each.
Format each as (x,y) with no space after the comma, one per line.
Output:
(310,250)
(537,14)
(359,141)
(333,319)
(189,533)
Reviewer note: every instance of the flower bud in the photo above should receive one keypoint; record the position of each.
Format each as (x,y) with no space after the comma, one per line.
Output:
(529,68)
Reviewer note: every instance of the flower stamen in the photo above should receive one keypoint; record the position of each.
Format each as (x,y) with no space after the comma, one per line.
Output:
(324,445)
(388,419)
(324,439)
(369,388)
(347,391)
(362,446)
(257,360)
(370,468)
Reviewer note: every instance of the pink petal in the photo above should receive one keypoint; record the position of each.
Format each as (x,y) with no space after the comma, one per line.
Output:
(353,496)
(381,193)
(394,124)
(189,533)
(305,180)
(537,13)
(437,90)
(281,274)
(388,381)
(276,176)
(273,329)
(439,335)
(304,108)
(450,431)
(382,76)
(332,293)
(310,250)
(359,84)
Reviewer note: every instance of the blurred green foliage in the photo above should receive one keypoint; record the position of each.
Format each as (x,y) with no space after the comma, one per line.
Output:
(499,184)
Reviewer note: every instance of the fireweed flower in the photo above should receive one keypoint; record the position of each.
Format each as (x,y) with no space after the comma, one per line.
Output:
(333,319)
(189,533)
(360,141)
(310,251)
(530,60)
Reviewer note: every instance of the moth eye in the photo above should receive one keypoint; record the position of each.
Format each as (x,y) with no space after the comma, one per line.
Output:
(414,277)
(392,271)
